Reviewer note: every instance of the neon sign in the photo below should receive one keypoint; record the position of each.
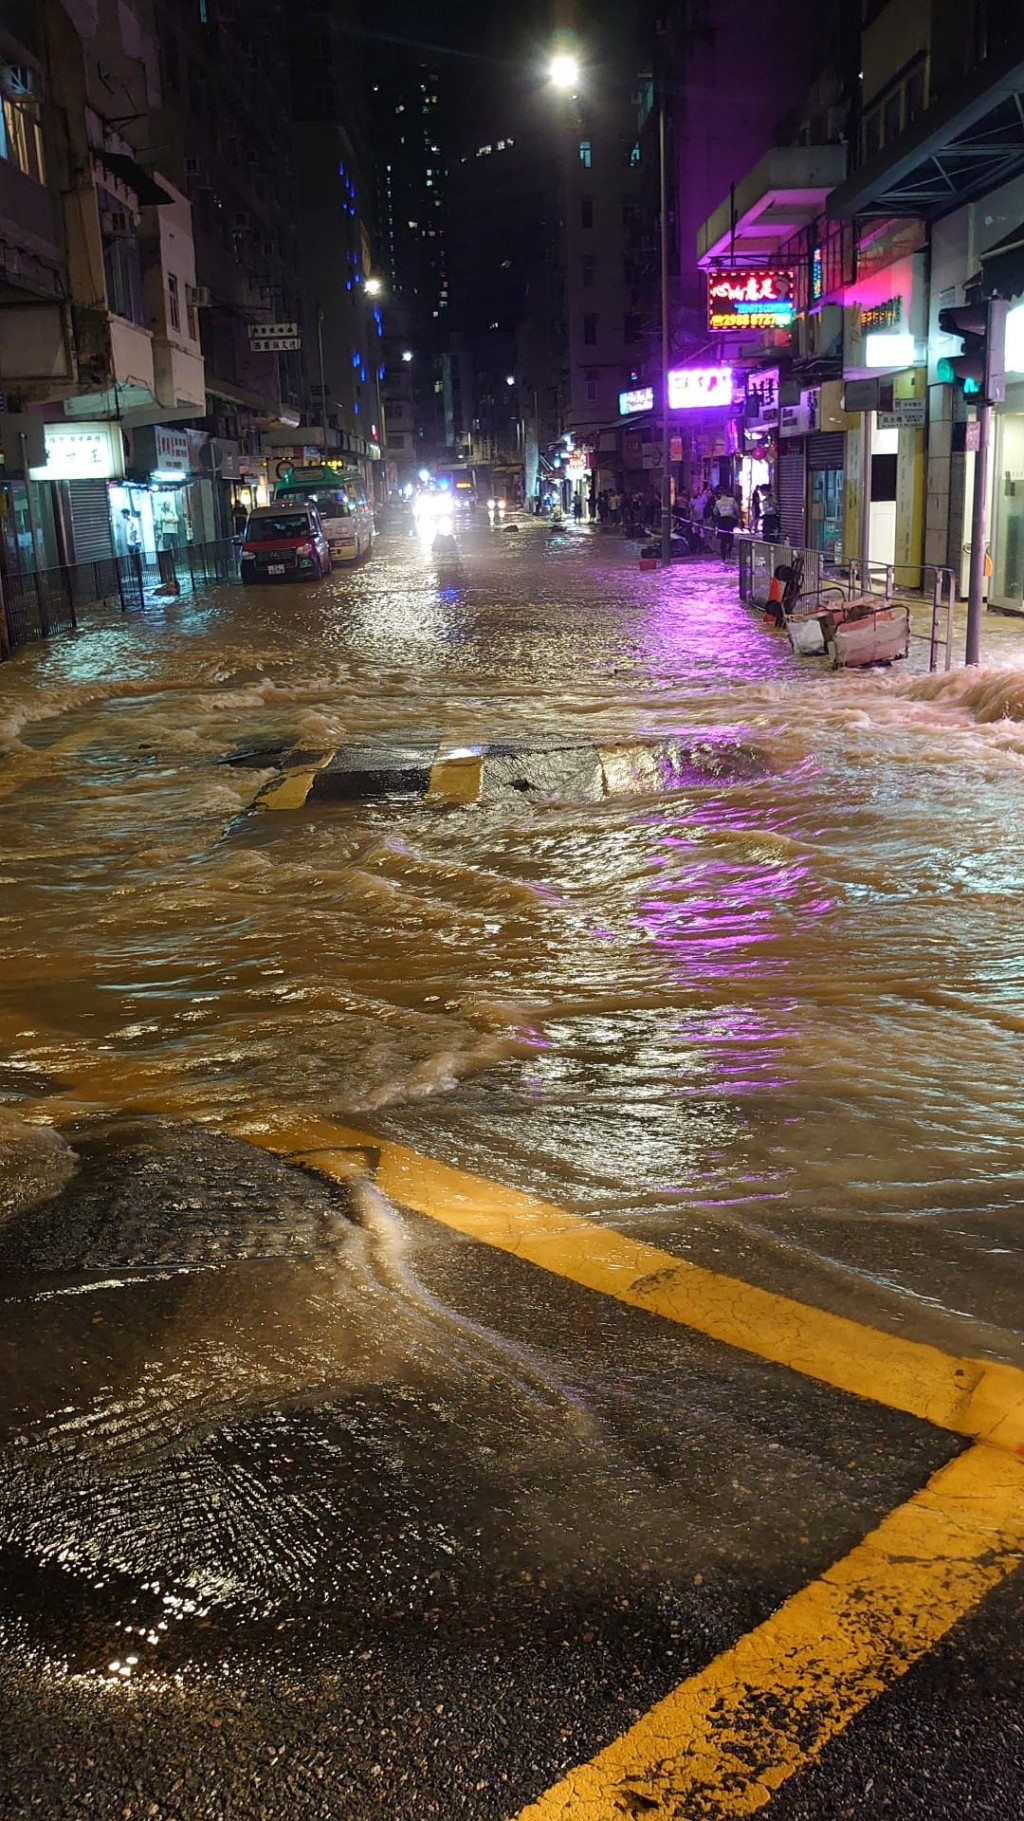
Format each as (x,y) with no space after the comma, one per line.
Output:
(641,399)
(689,388)
(750,298)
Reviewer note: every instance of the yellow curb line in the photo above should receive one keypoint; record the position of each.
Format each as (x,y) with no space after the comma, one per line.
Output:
(455,780)
(724,1741)
(982,1399)
(295,786)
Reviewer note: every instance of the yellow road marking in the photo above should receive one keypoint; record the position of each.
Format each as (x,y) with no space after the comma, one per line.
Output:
(455,780)
(730,1736)
(295,786)
(982,1399)
(721,1743)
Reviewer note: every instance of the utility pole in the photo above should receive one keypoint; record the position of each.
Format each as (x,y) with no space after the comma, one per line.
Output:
(666,474)
(976,581)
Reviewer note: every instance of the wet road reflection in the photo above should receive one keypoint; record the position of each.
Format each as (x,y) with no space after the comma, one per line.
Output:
(761,1006)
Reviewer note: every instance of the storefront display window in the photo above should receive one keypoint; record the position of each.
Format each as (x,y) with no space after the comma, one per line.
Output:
(29,540)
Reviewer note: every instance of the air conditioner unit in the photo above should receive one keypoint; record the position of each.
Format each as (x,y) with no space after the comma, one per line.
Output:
(119,222)
(200,298)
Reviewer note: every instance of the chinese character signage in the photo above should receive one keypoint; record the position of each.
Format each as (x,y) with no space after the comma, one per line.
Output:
(172,450)
(690,388)
(887,315)
(274,337)
(81,452)
(640,399)
(763,398)
(750,298)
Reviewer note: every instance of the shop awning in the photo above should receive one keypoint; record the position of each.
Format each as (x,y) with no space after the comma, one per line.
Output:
(1002,267)
(959,149)
(135,176)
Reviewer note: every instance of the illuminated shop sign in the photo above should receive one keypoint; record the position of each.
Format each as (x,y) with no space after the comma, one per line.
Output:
(689,388)
(817,275)
(641,399)
(80,452)
(750,299)
(887,315)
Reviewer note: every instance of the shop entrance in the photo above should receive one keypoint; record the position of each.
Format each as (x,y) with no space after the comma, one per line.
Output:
(1006,588)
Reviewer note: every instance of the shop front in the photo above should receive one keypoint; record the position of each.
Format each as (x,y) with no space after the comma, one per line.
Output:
(1006,513)
(885,373)
(157,508)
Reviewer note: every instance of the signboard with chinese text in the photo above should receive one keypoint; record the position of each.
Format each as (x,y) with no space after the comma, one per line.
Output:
(691,388)
(640,399)
(750,298)
(172,450)
(80,452)
(274,337)
(763,398)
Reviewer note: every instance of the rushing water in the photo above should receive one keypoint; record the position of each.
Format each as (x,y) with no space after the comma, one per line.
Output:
(770,1018)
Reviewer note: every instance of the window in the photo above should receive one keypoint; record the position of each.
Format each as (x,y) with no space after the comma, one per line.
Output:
(891,117)
(586,153)
(590,388)
(21,136)
(588,268)
(173,302)
(586,211)
(630,153)
(630,213)
(590,329)
(632,328)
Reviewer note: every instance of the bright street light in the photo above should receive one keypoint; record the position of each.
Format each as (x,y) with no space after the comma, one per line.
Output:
(564,71)
(407,354)
(510,379)
(374,287)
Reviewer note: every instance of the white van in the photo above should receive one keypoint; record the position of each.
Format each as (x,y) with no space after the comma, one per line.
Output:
(340,498)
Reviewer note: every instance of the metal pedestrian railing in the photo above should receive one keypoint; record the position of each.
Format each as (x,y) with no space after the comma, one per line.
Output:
(758,562)
(38,603)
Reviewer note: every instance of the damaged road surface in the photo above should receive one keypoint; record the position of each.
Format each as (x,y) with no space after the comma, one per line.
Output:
(511,1272)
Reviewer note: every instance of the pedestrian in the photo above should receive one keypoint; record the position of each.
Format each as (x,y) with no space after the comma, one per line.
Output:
(577,507)
(614,506)
(602,507)
(727,515)
(771,524)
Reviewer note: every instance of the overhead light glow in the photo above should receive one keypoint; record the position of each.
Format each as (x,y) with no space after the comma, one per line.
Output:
(564,71)
(374,287)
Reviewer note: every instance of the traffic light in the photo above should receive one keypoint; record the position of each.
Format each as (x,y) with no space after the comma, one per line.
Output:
(980,369)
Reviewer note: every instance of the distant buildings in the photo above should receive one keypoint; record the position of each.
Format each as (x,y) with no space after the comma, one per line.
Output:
(183,250)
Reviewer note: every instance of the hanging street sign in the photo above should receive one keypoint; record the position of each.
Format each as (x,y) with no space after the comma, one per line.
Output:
(274,337)
(750,298)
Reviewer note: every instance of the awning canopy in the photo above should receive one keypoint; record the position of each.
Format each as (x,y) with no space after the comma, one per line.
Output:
(1002,267)
(957,151)
(135,176)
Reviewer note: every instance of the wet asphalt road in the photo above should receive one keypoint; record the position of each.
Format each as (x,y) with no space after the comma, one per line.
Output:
(312,1509)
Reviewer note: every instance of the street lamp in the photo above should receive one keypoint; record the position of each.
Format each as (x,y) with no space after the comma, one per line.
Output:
(374,287)
(564,73)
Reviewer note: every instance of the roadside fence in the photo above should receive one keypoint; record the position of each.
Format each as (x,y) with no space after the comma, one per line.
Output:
(42,602)
(758,562)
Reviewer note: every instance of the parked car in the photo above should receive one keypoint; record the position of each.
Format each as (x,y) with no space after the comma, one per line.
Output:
(285,542)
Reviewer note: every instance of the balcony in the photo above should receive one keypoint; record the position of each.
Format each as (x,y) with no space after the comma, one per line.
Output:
(784,193)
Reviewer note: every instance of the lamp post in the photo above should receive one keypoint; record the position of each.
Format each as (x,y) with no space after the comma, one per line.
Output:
(666,476)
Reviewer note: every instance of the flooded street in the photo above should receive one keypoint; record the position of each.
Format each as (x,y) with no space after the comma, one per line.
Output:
(724,954)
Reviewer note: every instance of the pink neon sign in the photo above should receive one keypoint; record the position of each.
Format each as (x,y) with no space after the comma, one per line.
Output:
(691,387)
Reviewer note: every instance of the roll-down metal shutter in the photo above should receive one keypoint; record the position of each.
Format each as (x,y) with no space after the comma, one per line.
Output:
(826,449)
(90,521)
(793,495)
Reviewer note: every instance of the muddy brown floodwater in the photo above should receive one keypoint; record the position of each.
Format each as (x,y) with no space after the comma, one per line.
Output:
(757,998)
